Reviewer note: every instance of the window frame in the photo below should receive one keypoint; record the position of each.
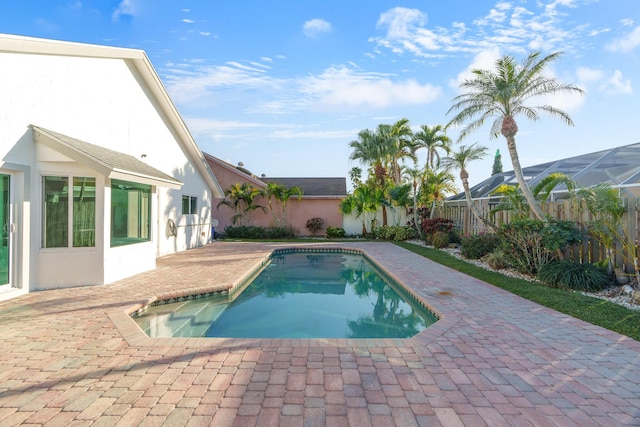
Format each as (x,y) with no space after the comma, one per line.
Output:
(192,205)
(70,225)
(139,205)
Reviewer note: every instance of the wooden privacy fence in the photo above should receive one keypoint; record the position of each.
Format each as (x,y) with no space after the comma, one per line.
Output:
(590,250)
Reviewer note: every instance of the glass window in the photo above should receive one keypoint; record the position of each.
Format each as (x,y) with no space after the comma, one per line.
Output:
(189,204)
(59,210)
(130,213)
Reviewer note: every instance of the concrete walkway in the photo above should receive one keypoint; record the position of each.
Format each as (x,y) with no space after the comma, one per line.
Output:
(74,357)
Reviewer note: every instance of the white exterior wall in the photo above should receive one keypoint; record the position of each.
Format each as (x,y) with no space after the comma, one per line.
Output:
(353,225)
(103,102)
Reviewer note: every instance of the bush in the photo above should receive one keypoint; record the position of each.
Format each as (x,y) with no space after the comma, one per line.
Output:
(440,239)
(566,274)
(396,233)
(253,232)
(314,225)
(478,245)
(335,232)
(529,244)
(496,259)
(432,225)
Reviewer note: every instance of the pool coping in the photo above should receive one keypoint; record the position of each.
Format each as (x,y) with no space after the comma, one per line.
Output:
(136,337)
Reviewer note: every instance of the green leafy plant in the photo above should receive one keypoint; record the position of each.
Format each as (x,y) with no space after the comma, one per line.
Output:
(335,232)
(440,239)
(396,233)
(476,246)
(253,232)
(567,274)
(528,244)
(496,259)
(314,225)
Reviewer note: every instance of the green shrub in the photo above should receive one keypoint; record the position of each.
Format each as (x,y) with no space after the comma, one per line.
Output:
(528,244)
(476,246)
(440,239)
(566,274)
(496,259)
(253,232)
(314,225)
(432,225)
(397,233)
(335,232)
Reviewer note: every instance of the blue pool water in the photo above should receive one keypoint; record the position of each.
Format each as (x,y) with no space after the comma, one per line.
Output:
(298,295)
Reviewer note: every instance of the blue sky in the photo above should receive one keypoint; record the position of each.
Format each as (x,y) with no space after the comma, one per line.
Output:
(283,86)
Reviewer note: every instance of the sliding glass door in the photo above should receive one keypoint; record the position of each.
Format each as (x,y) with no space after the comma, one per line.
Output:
(5,243)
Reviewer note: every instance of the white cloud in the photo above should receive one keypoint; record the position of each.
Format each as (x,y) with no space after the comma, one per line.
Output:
(187,21)
(315,27)
(342,89)
(589,75)
(507,27)
(616,84)
(126,7)
(204,33)
(401,22)
(626,43)
(484,60)
(626,22)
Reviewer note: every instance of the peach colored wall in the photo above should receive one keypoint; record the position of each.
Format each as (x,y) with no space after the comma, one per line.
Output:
(298,211)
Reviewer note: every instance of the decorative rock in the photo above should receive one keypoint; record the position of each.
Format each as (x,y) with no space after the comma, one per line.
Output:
(626,289)
(635,296)
(621,277)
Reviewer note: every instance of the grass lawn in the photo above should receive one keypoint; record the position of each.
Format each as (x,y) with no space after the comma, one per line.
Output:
(593,310)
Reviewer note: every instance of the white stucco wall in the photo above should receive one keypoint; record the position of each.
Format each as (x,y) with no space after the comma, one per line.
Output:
(103,102)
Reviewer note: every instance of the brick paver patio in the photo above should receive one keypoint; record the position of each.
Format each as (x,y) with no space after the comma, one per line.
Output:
(73,357)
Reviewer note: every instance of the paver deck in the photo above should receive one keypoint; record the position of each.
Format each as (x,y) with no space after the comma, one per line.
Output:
(74,357)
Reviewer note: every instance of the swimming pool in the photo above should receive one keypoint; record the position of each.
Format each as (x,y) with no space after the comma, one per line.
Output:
(298,295)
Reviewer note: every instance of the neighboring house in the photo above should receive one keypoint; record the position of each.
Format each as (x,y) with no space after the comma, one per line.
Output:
(98,173)
(321,198)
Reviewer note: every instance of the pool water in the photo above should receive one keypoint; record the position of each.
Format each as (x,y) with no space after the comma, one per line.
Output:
(298,295)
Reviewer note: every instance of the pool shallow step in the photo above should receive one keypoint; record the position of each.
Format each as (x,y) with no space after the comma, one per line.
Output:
(184,319)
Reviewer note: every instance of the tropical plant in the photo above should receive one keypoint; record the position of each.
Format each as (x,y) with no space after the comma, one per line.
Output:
(362,202)
(398,137)
(572,275)
(335,232)
(415,175)
(460,160)
(607,207)
(436,186)
(314,225)
(240,197)
(476,246)
(432,139)
(528,244)
(372,149)
(440,239)
(503,94)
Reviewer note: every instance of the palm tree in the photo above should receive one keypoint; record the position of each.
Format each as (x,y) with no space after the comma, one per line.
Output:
(372,148)
(502,94)
(437,184)
(241,199)
(398,136)
(362,201)
(460,160)
(432,139)
(416,175)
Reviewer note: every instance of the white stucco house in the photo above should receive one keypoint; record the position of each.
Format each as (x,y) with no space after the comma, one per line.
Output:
(99,175)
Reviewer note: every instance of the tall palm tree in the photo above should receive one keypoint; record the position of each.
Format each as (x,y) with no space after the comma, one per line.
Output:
(398,137)
(460,160)
(502,94)
(416,175)
(372,148)
(431,139)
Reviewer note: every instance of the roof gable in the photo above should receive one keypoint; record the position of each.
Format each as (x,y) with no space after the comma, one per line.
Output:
(314,186)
